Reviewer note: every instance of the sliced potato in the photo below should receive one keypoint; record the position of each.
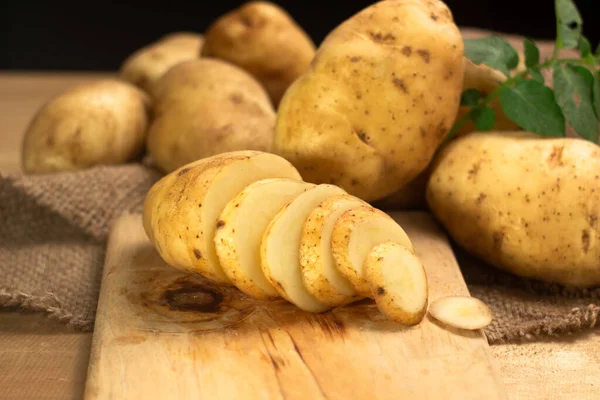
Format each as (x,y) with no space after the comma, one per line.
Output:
(398,282)
(241,227)
(354,234)
(182,209)
(320,276)
(461,312)
(280,259)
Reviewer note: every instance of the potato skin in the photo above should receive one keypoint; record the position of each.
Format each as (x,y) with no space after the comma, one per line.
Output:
(99,123)
(380,96)
(147,65)
(177,207)
(206,107)
(263,39)
(313,253)
(522,203)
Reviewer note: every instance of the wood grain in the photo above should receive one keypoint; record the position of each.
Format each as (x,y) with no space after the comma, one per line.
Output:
(161,333)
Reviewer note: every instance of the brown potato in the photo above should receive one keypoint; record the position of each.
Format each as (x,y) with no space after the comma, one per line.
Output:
(379,98)
(263,39)
(206,107)
(148,64)
(99,123)
(527,204)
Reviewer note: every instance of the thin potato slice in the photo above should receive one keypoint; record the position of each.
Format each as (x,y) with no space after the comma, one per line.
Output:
(241,227)
(280,248)
(181,210)
(461,312)
(354,234)
(320,276)
(398,282)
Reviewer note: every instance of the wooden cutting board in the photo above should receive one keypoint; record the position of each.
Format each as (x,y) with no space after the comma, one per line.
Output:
(164,334)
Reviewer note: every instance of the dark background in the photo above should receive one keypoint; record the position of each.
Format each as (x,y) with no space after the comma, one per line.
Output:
(98,35)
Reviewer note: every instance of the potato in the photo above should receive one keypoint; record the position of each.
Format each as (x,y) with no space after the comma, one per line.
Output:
(486,80)
(462,312)
(264,40)
(279,252)
(380,96)
(181,211)
(319,274)
(522,203)
(241,227)
(354,234)
(398,282)
(206,107)
(148,64)
(98,123)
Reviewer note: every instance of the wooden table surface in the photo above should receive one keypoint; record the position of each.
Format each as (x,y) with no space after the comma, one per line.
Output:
(41,359)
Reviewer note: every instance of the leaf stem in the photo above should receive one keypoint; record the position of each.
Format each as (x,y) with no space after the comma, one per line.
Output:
(496,92)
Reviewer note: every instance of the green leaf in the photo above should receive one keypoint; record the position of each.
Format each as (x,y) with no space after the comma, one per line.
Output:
(536,75)
(596,94)
(573,92)
(483,118)
(568,24)
(532,53)
(531,105)
(470,97)
(492,51)
(584,47)
(585,73)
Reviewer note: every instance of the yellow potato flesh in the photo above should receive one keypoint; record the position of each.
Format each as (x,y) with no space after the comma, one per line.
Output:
(241,227)
(182,210)
(355,234)
(398,282)
(321,277)
(461,312)
(281,245)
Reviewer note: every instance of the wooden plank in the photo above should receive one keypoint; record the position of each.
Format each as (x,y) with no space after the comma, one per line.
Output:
(161,333)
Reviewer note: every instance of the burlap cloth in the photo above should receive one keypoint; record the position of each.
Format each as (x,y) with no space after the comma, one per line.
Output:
(54,228)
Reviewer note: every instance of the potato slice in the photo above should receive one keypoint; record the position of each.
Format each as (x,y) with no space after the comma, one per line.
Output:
(280,248)
(241,227)
(398,282)
(461,312)
(319,274)
(181,210)
(354,234)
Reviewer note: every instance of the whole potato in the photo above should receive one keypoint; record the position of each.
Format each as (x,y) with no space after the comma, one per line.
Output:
(145,66)
(263,39)
(522,203)
(104,122)
(379,98)
(206,107)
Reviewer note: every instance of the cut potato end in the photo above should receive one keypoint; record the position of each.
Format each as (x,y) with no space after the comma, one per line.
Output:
(241,227)
(398,282)
(280,247)
(320,276)
(354,234)
(461,312)
(182,209)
